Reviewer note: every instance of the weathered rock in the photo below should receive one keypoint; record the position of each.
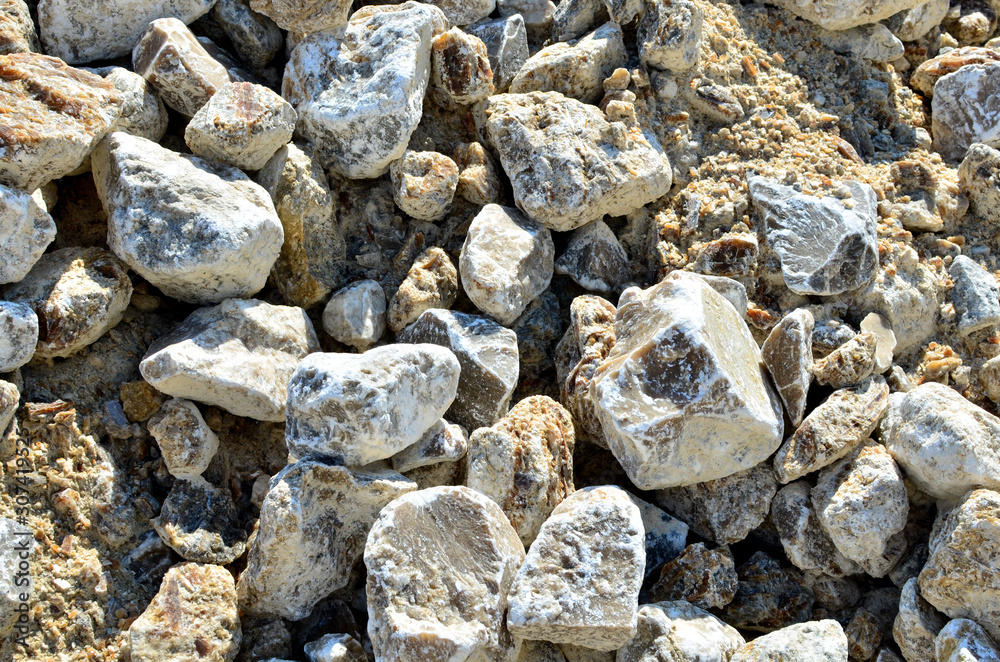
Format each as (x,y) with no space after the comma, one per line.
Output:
(18,335)
(849,364)
(313,526)
(885,340)
(540,651)
(873,42)
(912,24)
(962,574)
(580,654)
(488,355)
(17,31)
(623,11)
(787,354)
(424,184)
(359,93)
(462,66)
(200,522)
(724,510)
(335,648)
(443,442)
(431,283)
(819,641)
(478,180)
(916,625)
(768,597)
(864,634)
(700,576)
(537,16)
(684,369)
(906,294)
(186,442)
(78,294)
(525,462)
(355,315)
(595,259)
(143,114)
(192,617)
(880,565)
(943,442)
(679,632)
(568,165)
(52,115)
(669,35)
(442,540)
(538,330)
(833,429)
(201,232)
(304,16)
(962,640)
(238,355)
(966,109)
(825,248)
(665,535)
(506,43)
(580,580)
(975,294)
(930,71)
(255,38)
(807,545)
(979,179)
(573,18)
(9,398)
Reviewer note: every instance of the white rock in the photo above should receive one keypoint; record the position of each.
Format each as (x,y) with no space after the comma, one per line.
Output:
(916,624)
(26,229)
(536,14)
(806,543)
(443,442)
(669,35)
(816,641)
(906,294)
(16,584)
(18,335)
(979,179)
(506,46)
(787,354)
(335,648)
(462,67)
(680,632)
(143,114)
(885,340)
(873,42)
(464,12)
(963,640)
(9,399)
(975,294)
(355,315)
(424,184)
(966,110)
(304,16)
(912,24)
(186,442)
(239,355)
(836,15)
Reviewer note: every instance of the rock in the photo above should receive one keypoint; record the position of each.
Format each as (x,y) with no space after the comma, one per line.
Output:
(443,442)
(200,522)
(580,580)
(140,400)
(665,535)
(462,66)
(238,355)
(304,16)
(602,168)
(424,184)
(595,259)
(787,354)
(18,335)
(53,116)
(524,462)
(313,526)
(833,429)
(906,295)
(431,283)
(506,43)
(962,575)
(255,38)
(143,114)
(308,266)
(355,315)
(17,31)
(962,640)
(912,24)
(464,12)
(930,71)
(537,15)
(623,11)
(335,648)
(849,364)
(575,17)
(487,353)
(679,632)
(979,179)
(673,384)
(478,181)
(669,35)
(768,597)
(942,441)
(581,654)
(818,641)
(807,545)
(885,340)
(916,625)
(825,248)
(976,296)
(864,634)
(358,113)
(186,442)
(201,232)
(575,70)
(538,329)
(724,510)
(873,42)
(540,651)
(78,294)
(506,262)
(966,110)
(26,229)
(242,125)
(193,616)
(9,398)
(442,540)
(703,577)
(880,565)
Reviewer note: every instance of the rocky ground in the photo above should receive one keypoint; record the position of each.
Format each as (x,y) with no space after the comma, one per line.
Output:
(499,330)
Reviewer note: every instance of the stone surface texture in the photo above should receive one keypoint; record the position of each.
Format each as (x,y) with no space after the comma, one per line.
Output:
(431,283)
(703,577)
(976,295)
(818,641)
(304,16)
(506,41)
(916,624)
(442,442)
(355,315)
(979,179)
(669,35)
(966,109)
(18,335)
(17,30)
(199,522)
(186,442)
(963,640)
(787,354)
(805,541)
(679,632)
(595,259)
(462,66)
(26,229)
(424,184)
(848,364)
(143,113)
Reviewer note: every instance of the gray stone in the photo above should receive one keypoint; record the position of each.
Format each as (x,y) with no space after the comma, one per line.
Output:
(17,584)
(669,35)
(623,11)
(143,113)
(976,296)
(966,110)
(595,259)
(787,354)
(355,315)
(256,38)
(506,46)
(424,184)
(200,522)
(916,624)
(537,16)
(186,443)
(573,18)
(979,179)
(464,12)
(679,632)
(807,545)
(700,576)
(442,442)
(304,16)
(768,597)
(818,641)
(963,640)
(26,229)
(18,335)
(666,536)
(912,24)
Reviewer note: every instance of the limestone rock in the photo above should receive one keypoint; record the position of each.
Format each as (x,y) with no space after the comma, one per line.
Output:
(679,632)
(540,651)
(595,259)
(17,31)
(304,16)
(143,114)
(684,370)
(849,364)
(787,354)
(833,429)
(359,92)
(506,262)
(335,648)
(18,335)
(506,43)
(930,71)
(242,125)
(581,654)
(525,462)
(962,640)
(359,408)
(26,229)
(478,180)
(9,398)
(52,115)
(78,294)
(669,35)
(443,442)
(537,15)
(426,548)
(464,12)
(568,164)
(885,340)
(916,625)
(313,525)
(906,295)
(666,536)
(943,442)
(818,641)
(487,353)
(424,184)
(201,232)
(573,18)
(355,315)
(966,109)
(976,296)
(238,355)
(193,616)
(807,545)
(200,522)
(700,576)
(623,11)
(979,179)
(873,42)
(431,283)
(768,597)
(912,24)
(255,38)
(186,442)
(580,580)
(825,248)
(462,66)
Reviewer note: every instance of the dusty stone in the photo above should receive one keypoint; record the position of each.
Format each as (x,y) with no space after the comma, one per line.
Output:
(975,294)
(807,545)
(488,355)
(439,539)
(665,535)
(979,179)
(18,335)
(966,110)
(885,340)
(442,442)
(906,295)
(700,576)
(53,116)
(537,15)
(140,400)
(669,35)
(916,625)
(431,283)
(580,580)
(355,315)
(17,31)
(534,131)
(304,16)
(26,229)
(912,24)
(143,113)
(424,184)
(359,93)
(313,526)
(238,355)
(930,71)
(864,634)
(595,259)
(9,398)
(335,648)
(819,641)
(880,565)
(768,597)
(478,180)
(849,364)
(524,462)
(506,43)
(962,640)
(573,18)
(199,522)
(873,42)
(193,616)
(186,442)
(943,442)
(462,66)
(255,38)
(680,381)
(679,632)
(787,354)
(833,429)
(506,262)
(201,232)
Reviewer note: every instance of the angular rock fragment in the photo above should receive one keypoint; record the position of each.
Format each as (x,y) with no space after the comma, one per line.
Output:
(787,354)
(912,24)
(26,229)
(580,580)
(424,184)
(682,397)
(143,114)
(443,442)
(313,525)
(506,43)
(979,179)
(623,11)
(975,294)
(200,522)
(255,38)
(355,315)
(963,640)
(595,259)
(849,364)
(17,31)
(930,71)
(464,12)
(9,398)
(335,648)
(906,294)
(873,42)
(239,355)
(916,624)
(768,597)
(18,335)
(669,35)
(537,15)
(304,16)
(186,442)
(573,18)
(446,541)
(478,181)
(431,283)
(805,541)
(818,641)
(885,340)
(966,110)
(462,66)
(700,576)
(679,632)
(665,535)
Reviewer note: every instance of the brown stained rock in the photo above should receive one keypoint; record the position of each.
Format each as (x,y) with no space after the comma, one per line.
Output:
(140,400)
(478,181)
(200,522)
(732,255)
(704,577)
(424,184)
(928,73)
(525,462)
(17,32)
(805,541)
(848,364)
(787,353)
(192,617)
(432,282)
(51,116)
(768,597)
(461,66)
